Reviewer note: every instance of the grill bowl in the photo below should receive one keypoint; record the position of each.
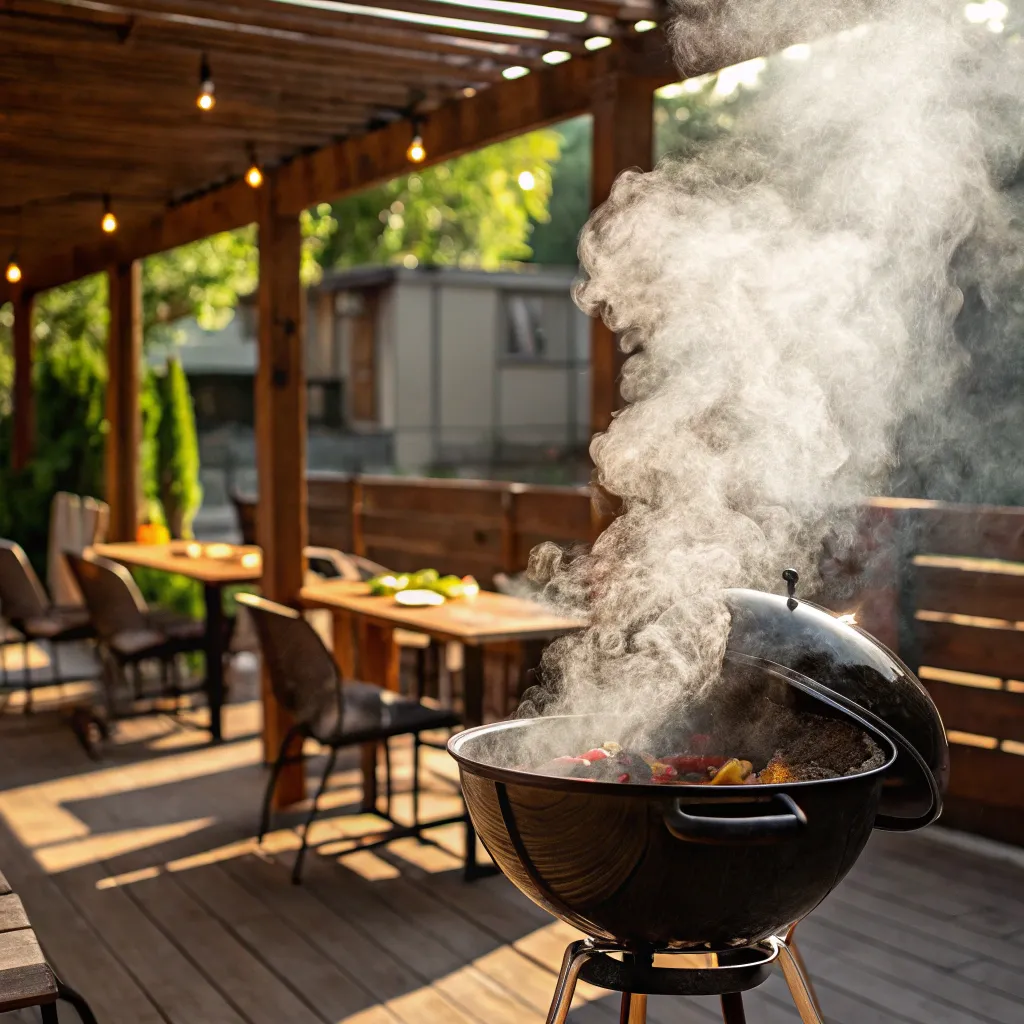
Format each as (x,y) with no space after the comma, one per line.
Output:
(665,866)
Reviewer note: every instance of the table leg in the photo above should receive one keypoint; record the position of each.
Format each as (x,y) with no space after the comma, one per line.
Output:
(473,684)
(214,657)
(344,644)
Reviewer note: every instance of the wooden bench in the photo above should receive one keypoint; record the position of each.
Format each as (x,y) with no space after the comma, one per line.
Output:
(26,979)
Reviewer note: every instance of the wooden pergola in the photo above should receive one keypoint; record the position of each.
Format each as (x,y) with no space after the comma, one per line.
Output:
(99,99)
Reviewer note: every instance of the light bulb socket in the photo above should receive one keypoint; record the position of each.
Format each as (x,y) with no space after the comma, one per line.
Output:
(206,99)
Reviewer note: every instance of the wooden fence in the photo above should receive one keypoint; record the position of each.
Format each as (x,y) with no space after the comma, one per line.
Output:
(941,584)
(459,526)
(944,585)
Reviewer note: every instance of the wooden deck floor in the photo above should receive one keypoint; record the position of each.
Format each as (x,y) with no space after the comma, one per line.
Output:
(142,880)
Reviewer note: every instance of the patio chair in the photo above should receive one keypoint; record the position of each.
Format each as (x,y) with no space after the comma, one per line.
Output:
(306,682)
(26,606)
(129,632)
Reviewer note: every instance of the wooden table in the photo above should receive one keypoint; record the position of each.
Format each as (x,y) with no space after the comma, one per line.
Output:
(486,619)
(214,574)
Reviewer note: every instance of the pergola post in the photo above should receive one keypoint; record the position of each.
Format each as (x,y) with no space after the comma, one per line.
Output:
(124,416)
(24,404)
(623,137)
(280,443)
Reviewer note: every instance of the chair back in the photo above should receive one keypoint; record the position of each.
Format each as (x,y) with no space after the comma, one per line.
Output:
(115,603)
(76,523)
(302,672)
(21,594)
(245,510)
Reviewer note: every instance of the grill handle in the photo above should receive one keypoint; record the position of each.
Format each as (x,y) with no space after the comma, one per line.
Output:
(725,829)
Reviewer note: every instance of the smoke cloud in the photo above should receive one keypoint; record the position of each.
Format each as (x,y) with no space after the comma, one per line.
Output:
(788,297)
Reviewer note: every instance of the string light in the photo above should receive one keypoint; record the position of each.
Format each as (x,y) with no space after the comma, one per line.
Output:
(206,99)
(109,222)
(253,176)
(13,273)
(469,92)
(644,25)
(556,57)
(417,152)
(526,181)
(515,72)
(597,42)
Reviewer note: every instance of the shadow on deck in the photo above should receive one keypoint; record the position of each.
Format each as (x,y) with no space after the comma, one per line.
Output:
(142,879)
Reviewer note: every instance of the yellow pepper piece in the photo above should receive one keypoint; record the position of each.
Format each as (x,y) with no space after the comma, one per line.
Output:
(732,773)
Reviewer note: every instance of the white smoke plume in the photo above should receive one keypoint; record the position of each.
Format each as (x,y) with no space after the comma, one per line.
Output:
(788,297)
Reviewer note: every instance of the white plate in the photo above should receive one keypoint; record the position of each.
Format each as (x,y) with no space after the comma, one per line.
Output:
(418,598)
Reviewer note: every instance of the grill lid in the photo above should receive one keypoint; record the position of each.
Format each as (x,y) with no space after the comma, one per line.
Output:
(846,665)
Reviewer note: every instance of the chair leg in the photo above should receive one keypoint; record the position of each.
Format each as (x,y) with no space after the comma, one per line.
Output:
(26,667)
(275,771)
(68,995)
(388,788)
(301,856)
(58,675)
(416,781)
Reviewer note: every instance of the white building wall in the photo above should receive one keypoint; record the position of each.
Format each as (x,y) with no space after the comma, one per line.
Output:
(409,374)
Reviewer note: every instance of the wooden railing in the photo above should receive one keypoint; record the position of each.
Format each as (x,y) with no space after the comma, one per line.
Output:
(941,584)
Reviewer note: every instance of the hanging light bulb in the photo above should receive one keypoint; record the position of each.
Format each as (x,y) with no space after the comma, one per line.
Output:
(417,152)
(206,99)
(13,273)
(253,176)
(109,222)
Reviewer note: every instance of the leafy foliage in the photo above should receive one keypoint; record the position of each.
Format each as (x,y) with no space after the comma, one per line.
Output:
(468,212)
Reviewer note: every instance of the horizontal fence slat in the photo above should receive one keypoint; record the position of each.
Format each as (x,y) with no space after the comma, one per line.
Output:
(464,498)
(968,591)
(982,650)
(558,513)
(447,533)
(978,531)
(987,776)
(982,711)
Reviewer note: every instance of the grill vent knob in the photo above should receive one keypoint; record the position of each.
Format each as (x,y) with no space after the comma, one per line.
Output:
(791,576)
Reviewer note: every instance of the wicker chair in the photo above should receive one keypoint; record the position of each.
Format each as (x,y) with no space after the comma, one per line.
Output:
(25,605)
(306,682)
(129,632)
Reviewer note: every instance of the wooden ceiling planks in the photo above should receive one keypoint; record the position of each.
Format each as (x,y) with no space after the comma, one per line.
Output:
(99,97)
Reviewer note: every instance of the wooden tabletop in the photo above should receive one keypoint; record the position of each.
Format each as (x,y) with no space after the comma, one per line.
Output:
(487,618)
(174,559)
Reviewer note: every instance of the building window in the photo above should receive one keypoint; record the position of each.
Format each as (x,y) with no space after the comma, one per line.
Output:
(525,337)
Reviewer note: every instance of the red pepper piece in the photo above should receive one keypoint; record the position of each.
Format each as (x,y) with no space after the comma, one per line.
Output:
(624,777)
(597,754)
(569,759)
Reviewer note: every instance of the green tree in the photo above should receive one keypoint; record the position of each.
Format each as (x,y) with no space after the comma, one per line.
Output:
(469,212)
(554,241)
(177,452)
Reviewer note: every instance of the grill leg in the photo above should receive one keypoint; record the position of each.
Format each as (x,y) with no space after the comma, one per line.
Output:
(732,1008)
(799,985)
(82,1008)
(576,955)
(798,956)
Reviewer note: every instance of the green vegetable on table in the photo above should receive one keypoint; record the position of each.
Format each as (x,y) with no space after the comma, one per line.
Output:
(389,584)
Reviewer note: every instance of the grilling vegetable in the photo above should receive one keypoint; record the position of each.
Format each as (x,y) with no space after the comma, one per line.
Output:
(610,763)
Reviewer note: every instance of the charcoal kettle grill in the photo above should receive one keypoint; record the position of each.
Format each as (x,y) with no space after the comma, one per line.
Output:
(712,880)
